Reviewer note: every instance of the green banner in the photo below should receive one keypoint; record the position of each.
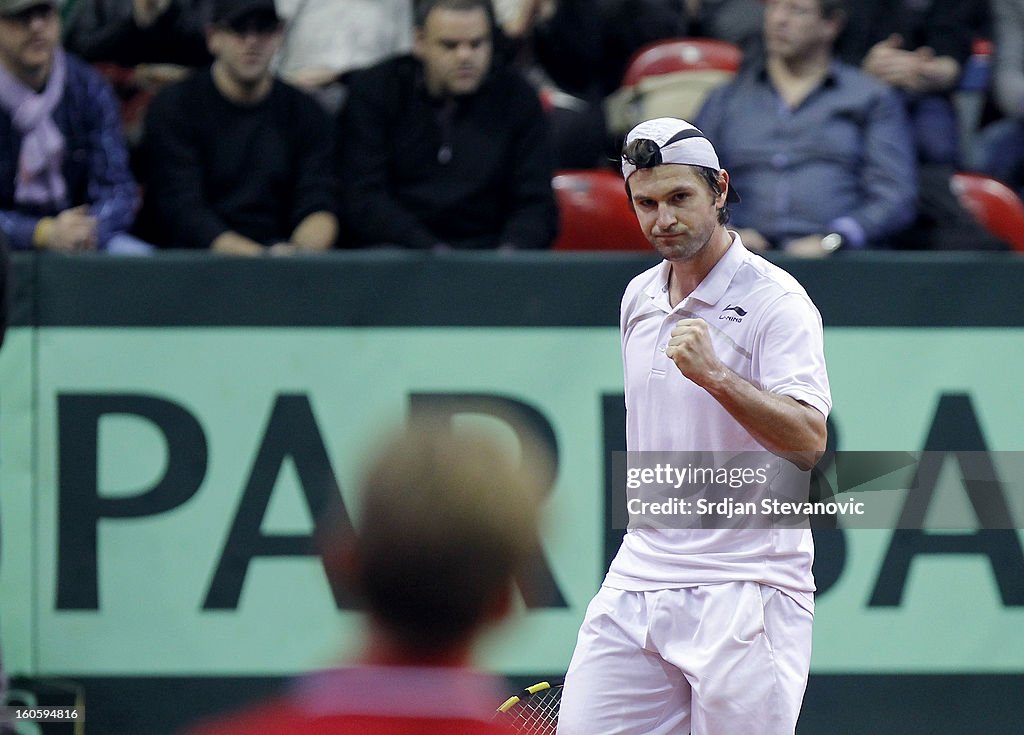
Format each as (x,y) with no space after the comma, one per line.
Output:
(159,485)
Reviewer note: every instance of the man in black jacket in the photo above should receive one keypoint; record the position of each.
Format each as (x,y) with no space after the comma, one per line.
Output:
(445,149)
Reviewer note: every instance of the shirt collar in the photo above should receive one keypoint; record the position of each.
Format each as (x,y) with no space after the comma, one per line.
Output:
(715,283)
(398,691)
(831,76)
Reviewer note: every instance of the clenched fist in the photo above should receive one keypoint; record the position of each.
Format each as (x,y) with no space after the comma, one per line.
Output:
(690,348)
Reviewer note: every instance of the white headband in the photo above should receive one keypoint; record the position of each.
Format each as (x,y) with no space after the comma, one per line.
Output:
(694,149)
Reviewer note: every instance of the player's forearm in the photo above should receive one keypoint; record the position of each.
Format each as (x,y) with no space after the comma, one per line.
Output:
(782,425)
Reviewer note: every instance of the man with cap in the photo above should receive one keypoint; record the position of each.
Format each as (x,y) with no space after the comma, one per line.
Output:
(707,629)
(65,182)
(236,160)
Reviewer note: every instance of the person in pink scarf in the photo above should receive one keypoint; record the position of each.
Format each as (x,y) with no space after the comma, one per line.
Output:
(65,181)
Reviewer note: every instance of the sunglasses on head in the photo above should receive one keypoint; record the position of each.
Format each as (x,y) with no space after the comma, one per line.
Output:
(645,153)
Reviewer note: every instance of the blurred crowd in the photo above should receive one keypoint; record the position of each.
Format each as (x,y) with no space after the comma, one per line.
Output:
(275,126)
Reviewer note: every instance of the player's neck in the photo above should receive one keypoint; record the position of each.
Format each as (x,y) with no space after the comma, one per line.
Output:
(382,649)
(686,275)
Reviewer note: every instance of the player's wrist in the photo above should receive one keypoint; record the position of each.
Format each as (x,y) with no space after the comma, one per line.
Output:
(716,381)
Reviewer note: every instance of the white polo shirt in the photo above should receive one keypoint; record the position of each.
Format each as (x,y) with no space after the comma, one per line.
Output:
(765,328)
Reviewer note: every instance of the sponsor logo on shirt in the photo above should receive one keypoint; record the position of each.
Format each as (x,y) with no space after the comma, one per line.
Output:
(740,312)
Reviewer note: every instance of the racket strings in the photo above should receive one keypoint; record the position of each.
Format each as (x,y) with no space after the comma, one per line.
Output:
(536,714)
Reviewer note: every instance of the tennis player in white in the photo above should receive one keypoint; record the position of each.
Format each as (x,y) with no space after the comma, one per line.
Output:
(705,631)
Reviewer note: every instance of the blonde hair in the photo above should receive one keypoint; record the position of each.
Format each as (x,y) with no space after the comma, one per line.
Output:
(446,520)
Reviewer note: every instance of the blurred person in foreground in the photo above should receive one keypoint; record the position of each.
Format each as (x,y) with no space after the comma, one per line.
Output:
(446,520)
(65,180)
(447,148)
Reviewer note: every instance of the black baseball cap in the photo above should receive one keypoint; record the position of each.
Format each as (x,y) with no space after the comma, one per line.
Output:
(13,7)
(233,12)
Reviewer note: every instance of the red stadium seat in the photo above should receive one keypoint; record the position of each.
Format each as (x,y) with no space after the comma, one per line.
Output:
(670,78)
(594,213)
(993,204)
(682,54)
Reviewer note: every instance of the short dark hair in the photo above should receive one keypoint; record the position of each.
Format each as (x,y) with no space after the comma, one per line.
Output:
(425,7)
(710,177)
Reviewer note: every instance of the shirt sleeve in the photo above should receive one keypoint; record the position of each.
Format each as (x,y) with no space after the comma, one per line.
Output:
(112,190)
(709,117)
(888,174)
(18,228)
(175,180)
(790,355)
(315,183)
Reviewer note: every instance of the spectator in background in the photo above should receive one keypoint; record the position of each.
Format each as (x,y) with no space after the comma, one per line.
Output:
(918,48)
(629,25)
(140,46)
(999,149)
(162,39)
(445,149)
(557,44)
(735,21)
(65,182)
(238,161)
(822,152)
(446,523)
(327,39)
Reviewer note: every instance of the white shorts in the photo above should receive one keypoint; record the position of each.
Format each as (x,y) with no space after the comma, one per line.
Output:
(712,660)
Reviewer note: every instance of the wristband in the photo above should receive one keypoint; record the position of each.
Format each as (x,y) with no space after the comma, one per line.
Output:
(41,235)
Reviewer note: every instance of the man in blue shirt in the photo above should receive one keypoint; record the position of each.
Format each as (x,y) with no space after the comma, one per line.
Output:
(824,152)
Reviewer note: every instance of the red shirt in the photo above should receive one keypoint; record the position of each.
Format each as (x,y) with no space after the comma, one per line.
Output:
(374,700)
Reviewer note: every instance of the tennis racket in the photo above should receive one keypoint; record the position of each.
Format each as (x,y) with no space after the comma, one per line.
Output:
(534,711)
